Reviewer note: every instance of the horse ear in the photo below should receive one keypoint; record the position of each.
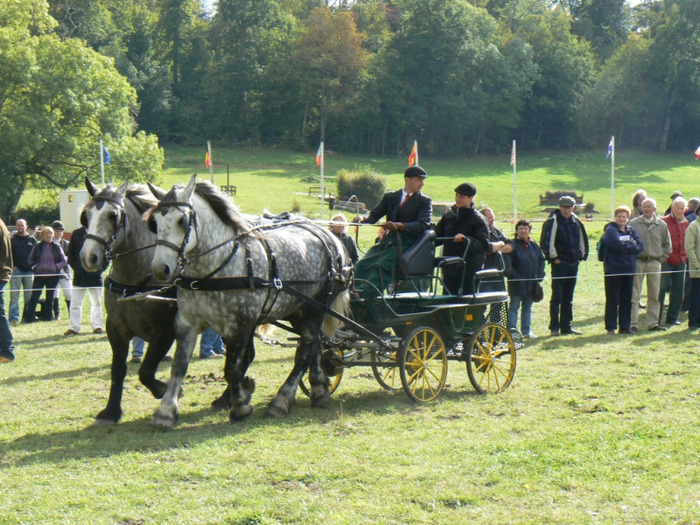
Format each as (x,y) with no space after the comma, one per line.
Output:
(83,218)
(157,192)
(121,190)
(189,189)
(91,188)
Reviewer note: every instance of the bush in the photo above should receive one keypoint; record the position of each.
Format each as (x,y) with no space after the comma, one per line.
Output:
(43,213)
(367,185)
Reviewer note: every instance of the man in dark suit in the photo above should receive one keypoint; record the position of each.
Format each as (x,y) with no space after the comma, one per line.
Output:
(408,213)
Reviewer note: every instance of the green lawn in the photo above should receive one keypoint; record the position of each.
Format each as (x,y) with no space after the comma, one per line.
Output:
(594,429)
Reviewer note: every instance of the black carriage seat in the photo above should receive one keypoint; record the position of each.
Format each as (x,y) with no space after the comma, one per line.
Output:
(419,259)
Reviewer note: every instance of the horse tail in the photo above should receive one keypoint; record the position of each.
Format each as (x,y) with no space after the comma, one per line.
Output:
(341,305)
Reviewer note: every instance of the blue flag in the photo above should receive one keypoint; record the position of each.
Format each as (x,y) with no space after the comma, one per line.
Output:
(105,153)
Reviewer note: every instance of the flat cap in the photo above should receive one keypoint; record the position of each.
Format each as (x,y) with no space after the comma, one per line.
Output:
(57,225)
(676,194)
(415,171)
(466,188)
(567,201)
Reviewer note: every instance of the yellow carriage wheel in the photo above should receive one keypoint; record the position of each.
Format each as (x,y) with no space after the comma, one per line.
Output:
(385,368)
(491,358)
(332,363)
(423,364)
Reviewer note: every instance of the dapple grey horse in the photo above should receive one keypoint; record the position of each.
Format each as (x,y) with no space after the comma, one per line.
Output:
(232,275)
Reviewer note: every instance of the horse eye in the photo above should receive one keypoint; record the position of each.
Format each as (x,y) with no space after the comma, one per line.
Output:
(184,222)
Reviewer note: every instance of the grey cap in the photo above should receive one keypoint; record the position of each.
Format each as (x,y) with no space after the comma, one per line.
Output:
(567,201)
(57,225)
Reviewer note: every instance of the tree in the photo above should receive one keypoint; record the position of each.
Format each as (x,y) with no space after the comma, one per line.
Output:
(57,100)
(328,59)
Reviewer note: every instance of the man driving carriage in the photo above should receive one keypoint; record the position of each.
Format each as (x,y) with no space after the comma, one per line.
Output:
(408,214)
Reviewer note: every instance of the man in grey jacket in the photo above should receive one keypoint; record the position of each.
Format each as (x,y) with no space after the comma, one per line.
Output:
(657,247)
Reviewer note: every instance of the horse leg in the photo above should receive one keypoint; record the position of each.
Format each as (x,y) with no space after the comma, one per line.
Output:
(320,384)
(112,413)
(308,352)
(167,414)
(240,386)
(157,348)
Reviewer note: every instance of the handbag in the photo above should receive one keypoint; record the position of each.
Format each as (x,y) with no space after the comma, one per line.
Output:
(537,293)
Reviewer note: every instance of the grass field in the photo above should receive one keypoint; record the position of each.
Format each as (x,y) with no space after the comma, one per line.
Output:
(594,429)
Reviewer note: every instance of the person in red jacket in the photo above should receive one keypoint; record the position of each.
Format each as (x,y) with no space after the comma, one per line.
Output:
(673,269)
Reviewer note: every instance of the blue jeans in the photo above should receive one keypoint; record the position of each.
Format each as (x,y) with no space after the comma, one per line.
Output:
(18,281)
(6,345)
(137,345)
(210,344)
(526,317)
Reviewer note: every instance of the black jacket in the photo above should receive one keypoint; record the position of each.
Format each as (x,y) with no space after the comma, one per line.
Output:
(415,214)
(527,268)
(472,225)
(548,239)
(21,248)
(81,277)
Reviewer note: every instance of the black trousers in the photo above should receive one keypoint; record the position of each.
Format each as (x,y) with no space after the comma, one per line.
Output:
(561,308)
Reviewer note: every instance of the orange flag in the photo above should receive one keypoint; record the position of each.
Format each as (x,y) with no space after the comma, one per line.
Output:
(413,157)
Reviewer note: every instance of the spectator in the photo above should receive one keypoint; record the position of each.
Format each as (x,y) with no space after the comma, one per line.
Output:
(637,199)
(564,243)
(674,196)
(48,259)
(211,345)
(22,274)
(693,204)
(498,244)
(7,349)
(622,244)
(408,214)
(657,247)
(674,268)
(462,222)
(84,281)
(527,270)
(339,227)
(64,279)
(692,248)
(137,345)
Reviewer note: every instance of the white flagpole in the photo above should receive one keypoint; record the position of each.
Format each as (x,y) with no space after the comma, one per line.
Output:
(612,179)
(415,145)
(323,190)
(514,162)
(102,162)
(211,163)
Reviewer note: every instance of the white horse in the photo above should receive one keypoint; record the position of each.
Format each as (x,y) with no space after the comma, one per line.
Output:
(233,276)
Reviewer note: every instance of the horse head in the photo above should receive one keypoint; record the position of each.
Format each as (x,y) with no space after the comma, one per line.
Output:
(103,217)
(174,222)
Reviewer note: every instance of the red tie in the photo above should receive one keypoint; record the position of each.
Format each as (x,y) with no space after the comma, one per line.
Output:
(408,196)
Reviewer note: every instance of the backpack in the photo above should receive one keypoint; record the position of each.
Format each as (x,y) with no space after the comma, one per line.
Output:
(600,247)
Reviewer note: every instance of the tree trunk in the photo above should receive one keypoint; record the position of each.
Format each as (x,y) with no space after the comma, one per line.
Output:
(302,139)
(663,143)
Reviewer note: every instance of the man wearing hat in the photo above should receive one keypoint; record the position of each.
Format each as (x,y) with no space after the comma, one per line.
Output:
(64,281)
(408,214)
(674,196)
(564,243)
(463,222)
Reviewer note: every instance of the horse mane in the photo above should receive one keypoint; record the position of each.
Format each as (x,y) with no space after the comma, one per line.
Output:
(222,206)
(141,197)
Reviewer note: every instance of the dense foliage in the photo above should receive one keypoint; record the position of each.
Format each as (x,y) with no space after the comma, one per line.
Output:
(365,76)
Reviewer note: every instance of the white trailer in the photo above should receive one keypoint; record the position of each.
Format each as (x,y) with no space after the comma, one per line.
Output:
(70,205)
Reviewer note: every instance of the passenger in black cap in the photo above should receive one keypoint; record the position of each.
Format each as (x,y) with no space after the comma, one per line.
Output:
(408,214)
(462,222)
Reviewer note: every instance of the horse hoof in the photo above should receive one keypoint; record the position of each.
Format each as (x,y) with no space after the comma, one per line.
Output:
(278,408)
(163,419)
(107,418)
(320,399)
(240,412)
